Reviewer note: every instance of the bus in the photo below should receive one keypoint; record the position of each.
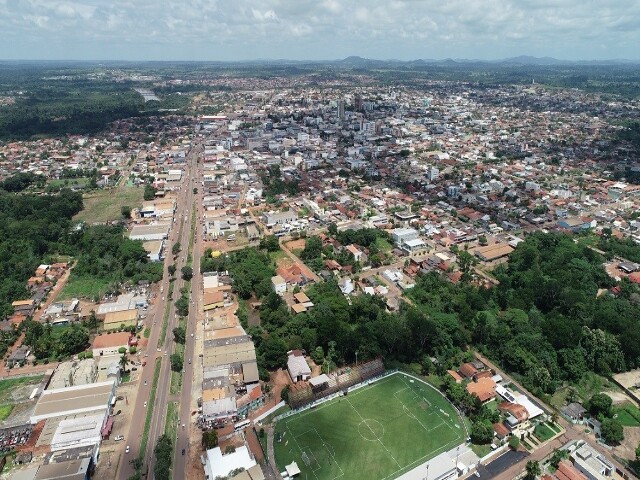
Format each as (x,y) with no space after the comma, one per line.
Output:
(241,425)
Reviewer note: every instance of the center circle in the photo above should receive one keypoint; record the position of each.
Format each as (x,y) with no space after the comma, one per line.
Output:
(371,430)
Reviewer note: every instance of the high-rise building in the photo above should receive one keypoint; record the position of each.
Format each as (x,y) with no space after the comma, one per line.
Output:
(358,103)
(341,109)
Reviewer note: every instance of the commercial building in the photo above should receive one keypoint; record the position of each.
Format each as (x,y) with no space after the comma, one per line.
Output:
(297,367)
(146,233)
(79,399)
(115,320)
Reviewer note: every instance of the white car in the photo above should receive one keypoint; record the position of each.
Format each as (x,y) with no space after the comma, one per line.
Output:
(145,404)
(119,438)
(127,450)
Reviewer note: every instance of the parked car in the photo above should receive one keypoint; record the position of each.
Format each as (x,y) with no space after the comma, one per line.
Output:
(119,438)
(127,450)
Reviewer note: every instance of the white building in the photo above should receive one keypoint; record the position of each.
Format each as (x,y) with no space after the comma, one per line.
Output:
(218,465)
(402,235)
(279,285)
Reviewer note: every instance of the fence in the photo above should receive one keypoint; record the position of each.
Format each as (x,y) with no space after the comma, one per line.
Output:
(327,398)
(340,380)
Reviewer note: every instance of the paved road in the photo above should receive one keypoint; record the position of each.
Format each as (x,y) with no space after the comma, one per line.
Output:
(188,402)
(183,215)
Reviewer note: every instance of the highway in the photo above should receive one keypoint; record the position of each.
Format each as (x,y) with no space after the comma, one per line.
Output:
(186,398)
(185,200)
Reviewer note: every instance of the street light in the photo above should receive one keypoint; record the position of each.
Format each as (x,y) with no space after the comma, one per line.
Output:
(356,358)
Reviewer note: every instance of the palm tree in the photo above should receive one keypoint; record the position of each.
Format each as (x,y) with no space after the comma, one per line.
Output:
(533,470)
(124,361)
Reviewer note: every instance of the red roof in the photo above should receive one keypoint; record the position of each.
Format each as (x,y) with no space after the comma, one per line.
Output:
(468,370)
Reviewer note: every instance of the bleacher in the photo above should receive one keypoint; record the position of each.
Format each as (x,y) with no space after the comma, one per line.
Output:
(301,394)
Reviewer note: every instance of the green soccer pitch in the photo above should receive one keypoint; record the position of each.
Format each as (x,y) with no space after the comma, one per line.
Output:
(377,432)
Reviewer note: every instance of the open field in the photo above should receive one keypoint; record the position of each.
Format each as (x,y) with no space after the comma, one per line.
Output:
(84,287)
(68,182)
(105,205)
(379,431)
(18,389)
(628,415)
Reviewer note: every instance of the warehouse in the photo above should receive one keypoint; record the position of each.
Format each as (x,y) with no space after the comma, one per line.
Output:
(62,402)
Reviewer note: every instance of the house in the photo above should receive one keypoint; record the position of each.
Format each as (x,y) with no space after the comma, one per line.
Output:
(566,471)
(110,343)
(358,254)
(455,375)
(297,366)
(212,300)
(483,388)
(591,463)
(467,370)
(501,431)
(279,285)
(573,412)
(517,418)
(19,356)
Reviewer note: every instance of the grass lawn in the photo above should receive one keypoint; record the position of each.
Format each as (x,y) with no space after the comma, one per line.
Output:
(543,432)
(628,415)
(481,450)
(84,287)
(5,411)
(105,205)
(147,332)
(8,386)
(68,182)
(383,245)
(379,431)
(147,419)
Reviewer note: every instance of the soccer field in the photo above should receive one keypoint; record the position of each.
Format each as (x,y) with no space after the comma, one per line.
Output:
(377,432)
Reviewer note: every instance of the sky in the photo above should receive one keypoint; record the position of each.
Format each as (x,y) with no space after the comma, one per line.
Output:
(318,29)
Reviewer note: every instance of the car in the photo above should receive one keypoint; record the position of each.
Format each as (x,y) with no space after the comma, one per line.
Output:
(145,382)
(119,397)
(159,349)
(127,450)
(119,438)
(189,361)
(192,334)
(133,369)
(144,364)
(144,404)
(183,450)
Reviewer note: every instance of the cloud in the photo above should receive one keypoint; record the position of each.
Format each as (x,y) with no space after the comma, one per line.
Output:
(322,29)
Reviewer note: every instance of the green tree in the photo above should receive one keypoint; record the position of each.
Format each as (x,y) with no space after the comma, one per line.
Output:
(124,361)
(176,248)
(481,432)
(533,470)
(125,210)
(177,362)
(171,269)
(284,394)
(612,431)
(180,334)
(187,273)
(209,439)
(600,405)
(270,243)
(149,192)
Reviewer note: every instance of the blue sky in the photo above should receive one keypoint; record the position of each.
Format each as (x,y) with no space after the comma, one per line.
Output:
(318,29)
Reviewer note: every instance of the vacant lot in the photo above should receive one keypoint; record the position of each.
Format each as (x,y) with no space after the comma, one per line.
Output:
(104,206)
(379,431)
(84,287)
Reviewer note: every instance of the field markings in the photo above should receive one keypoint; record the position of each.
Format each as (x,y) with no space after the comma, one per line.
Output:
(418,396)
(373,433)
(326,445)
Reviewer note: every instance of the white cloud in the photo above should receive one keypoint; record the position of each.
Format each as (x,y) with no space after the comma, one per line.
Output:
(322,28)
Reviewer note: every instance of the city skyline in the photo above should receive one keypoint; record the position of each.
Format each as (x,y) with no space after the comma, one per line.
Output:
(325,30)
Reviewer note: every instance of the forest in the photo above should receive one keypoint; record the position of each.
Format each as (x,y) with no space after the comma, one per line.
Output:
(34,229)
(544,322)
